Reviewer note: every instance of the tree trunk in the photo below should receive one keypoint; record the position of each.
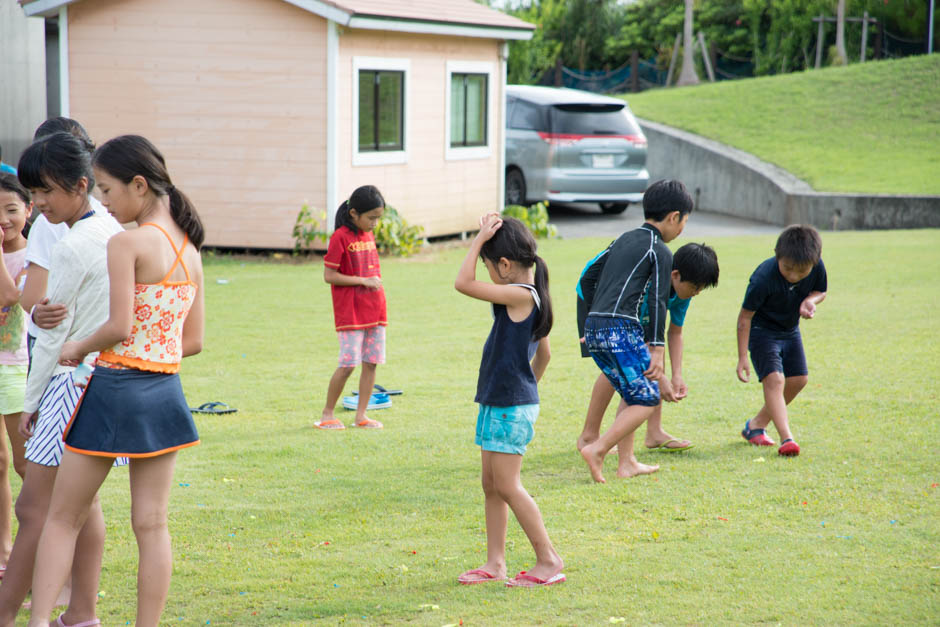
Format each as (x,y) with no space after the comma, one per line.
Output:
(688,76)
(843,58)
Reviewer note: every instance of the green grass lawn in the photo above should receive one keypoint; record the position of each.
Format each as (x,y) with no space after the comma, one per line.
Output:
(870,127)
(277,523)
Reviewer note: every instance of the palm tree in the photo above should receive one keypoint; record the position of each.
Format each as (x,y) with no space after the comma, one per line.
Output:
(689,76)
(842,57)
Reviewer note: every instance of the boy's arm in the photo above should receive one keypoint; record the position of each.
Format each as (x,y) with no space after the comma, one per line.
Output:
(744,334)
(808,306)
(674,342)
(542,355)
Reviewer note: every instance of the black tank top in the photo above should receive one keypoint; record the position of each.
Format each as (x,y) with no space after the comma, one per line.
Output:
(506,377)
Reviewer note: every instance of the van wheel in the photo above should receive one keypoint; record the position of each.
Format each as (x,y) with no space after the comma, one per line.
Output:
(515,187)
(613,208)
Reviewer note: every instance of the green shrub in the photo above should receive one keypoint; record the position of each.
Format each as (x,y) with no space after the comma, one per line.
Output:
(534,217)
(394,236)
(308,229)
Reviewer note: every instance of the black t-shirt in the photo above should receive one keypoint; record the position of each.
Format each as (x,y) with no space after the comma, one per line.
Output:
(776,302)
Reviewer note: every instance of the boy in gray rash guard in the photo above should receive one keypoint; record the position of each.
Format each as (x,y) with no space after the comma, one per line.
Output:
(637,262)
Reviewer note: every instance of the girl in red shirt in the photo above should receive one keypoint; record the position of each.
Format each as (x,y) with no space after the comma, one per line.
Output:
(352,270)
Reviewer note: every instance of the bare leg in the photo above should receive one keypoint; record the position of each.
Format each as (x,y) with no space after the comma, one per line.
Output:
(506,469)
(628,466)
(335,390)
(6,502)
(629,417)
(497,515)
(779,389)
(366,382)
(655,435)
(151,478)
(72,506)
(601,395)
(17,443)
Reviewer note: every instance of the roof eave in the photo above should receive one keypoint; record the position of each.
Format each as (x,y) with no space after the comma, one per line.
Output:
(430,27)
(43,8)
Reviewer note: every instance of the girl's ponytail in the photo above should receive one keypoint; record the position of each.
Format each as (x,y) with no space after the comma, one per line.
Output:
(128,156)
(343,218)
(545,318)
(185,216)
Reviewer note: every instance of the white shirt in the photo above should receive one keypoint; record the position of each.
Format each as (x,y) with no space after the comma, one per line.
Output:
(78,279)
(43,236)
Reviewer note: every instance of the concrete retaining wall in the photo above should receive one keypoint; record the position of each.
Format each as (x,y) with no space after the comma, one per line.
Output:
(726,180)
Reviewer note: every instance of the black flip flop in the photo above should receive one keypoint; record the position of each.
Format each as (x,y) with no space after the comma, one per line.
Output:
(382,390)
(215,407)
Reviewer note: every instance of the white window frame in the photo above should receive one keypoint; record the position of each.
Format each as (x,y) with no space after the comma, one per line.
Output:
(380,157)
(456,153)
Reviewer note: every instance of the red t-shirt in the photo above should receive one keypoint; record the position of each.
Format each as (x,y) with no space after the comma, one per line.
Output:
(355,306)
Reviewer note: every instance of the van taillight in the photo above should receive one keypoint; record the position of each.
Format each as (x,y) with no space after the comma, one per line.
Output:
(569,139)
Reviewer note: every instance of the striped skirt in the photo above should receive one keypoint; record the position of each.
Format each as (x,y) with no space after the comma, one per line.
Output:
(55,409)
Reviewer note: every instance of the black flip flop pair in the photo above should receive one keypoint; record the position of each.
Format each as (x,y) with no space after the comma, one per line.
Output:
(215,407)
(382,390)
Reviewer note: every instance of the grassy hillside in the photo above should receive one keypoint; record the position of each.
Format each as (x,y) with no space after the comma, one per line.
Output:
(872,127)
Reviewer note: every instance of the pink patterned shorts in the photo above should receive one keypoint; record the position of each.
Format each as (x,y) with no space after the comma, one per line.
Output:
(362,345)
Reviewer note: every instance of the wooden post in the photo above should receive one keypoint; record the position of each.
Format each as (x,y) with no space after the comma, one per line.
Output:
(878,40)
(635,71)
(672,62)
(819,41)
(705,58)
(864,36)
(558,72)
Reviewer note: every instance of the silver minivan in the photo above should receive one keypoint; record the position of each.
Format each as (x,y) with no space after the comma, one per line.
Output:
(565,145)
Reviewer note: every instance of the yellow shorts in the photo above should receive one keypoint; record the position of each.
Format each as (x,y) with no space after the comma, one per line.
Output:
(12,388)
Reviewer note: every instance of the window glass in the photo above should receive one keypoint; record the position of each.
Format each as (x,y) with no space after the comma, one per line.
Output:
(593,120)
(526,116)
(468,109)
(381,110)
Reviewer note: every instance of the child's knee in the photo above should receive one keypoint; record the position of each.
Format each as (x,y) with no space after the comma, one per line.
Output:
(772,381)
(368,366)
(345,371)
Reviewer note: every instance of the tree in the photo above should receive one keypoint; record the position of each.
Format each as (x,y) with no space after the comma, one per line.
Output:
(689,76)
(842,57)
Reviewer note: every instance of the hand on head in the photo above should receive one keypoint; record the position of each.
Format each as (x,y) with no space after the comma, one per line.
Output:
(489,224)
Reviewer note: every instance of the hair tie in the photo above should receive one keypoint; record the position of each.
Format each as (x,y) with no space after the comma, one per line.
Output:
(170,188)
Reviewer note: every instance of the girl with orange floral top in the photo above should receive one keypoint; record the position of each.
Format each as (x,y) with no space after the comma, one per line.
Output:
(133,404)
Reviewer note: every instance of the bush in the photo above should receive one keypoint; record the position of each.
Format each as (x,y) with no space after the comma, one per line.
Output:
(308,229)
(394,236)
(534,217)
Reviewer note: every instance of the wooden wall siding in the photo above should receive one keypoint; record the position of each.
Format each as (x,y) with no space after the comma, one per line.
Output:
(443,196)
(231,91)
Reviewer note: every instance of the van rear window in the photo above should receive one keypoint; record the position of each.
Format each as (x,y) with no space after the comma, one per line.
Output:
(586,119)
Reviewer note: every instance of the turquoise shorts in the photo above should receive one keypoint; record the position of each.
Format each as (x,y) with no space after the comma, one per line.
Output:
(12,388)
(506,429)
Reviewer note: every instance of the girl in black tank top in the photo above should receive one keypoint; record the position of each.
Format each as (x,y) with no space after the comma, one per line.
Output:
(515,356)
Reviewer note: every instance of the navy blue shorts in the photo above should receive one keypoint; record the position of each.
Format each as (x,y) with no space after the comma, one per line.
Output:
(777,351)
(617,346)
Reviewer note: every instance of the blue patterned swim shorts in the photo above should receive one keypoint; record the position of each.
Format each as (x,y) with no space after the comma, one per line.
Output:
(618,348)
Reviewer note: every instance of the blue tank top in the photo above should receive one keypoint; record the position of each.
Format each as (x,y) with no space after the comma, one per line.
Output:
(506,377)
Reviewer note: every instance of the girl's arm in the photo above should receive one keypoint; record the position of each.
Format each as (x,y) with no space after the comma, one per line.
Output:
(335,277)
(194,325)
(542,355)
(467,283)
(122,257)
(35,288)
(9,294)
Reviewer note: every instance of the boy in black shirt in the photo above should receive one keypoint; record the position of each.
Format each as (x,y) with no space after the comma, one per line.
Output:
(783,289)
(636,263)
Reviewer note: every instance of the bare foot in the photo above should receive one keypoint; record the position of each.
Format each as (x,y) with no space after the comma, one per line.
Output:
(595,462)
(586,439)
(657,439)
(631,469)
(487,572)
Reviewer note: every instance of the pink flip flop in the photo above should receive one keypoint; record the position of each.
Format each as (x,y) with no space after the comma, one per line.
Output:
(477,575)
(525,580)
(87,623)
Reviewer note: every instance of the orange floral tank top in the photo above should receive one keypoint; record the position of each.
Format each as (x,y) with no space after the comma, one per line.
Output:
(160,309)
